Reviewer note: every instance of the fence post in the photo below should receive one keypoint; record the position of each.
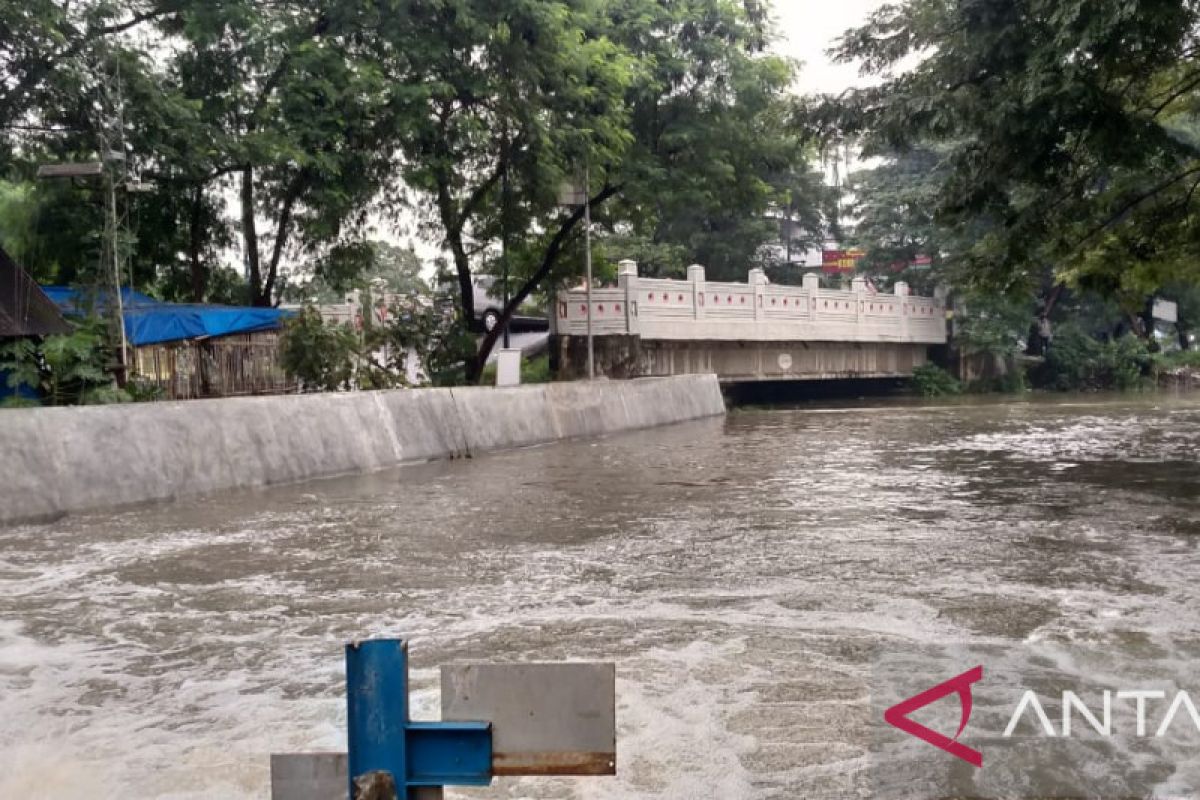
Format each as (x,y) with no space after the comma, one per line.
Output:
(695,274)
(627,280)
(758,282)
(859,286)
(812,284)
(901,291)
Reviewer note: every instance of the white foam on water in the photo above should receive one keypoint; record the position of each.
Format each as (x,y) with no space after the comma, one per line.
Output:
(737,579)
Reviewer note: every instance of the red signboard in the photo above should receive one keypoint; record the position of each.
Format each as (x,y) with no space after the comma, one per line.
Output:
(841,260)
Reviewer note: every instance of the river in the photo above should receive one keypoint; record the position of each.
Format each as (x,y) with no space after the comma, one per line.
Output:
(738,571)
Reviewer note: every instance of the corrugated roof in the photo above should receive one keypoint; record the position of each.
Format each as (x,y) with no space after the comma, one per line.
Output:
(25,310)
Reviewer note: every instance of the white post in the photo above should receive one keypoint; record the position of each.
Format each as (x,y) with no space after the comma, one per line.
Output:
(859,287)
(627,279)
(695,274)
(508,366)
(901,291)
(758,282)
(812,284)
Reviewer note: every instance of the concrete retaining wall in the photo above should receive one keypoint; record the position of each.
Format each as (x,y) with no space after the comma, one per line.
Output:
(59,460)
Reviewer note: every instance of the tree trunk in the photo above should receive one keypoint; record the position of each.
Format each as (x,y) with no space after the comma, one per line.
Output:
(199,274)
(282,229)
(250,240)
(549,259)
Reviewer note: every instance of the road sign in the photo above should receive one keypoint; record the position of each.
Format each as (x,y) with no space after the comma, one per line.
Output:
(1165,310)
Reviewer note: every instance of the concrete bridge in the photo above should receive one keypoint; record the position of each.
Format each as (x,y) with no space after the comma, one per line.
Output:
(753,331)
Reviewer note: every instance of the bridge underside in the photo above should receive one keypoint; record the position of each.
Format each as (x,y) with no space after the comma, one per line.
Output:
(623,356)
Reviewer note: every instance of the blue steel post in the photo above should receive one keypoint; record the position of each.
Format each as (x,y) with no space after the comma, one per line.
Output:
(383,739)
(377,709)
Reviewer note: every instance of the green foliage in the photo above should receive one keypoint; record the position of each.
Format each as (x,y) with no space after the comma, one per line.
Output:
(1179,366)
(420,335)
(933,381)
(320,355)
(141,390)
(1076,361)
(429,331)
(894,204)
(17,401)
(1013,381)
(363,265)
(533,370)
(68,369)
(1067,127)
(992,324)
(678,115)
(304,119)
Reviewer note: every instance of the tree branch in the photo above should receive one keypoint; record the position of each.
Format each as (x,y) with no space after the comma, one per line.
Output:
(1134,203)
(283,229)
(549,259)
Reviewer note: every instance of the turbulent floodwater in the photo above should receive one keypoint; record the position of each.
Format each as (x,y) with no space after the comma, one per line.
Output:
(739,572)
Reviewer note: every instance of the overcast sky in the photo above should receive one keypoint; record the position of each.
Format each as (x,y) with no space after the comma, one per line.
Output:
(809,27)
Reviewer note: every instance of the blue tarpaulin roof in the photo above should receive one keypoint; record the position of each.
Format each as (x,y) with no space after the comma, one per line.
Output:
(150,321)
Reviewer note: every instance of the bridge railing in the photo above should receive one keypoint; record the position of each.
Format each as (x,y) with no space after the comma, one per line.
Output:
(697,309)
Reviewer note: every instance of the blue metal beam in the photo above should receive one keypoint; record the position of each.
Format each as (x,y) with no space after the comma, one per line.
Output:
(449,753)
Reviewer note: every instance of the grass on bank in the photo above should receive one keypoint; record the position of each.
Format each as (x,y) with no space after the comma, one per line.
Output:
(533,370)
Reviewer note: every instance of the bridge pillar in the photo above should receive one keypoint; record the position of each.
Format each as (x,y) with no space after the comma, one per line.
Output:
(627,279)
(695,274)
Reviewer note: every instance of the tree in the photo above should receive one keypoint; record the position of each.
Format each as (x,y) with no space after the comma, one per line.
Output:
(1068,132)
(674,111)
(361,264)
(893,205)
(292,105)
(45,50)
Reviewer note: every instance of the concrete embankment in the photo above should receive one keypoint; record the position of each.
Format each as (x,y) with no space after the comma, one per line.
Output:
(61,460)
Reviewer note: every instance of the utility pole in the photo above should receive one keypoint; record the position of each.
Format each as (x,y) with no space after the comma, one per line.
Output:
(587,260)
(112,168)
(504,203)
(112,153)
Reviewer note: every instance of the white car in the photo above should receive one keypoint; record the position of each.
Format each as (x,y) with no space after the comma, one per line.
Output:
(488,306)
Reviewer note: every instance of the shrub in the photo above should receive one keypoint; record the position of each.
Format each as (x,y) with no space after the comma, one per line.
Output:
(533,370)
(933,381)
(1076,361)
(66,369)
(1180,359)
(320,355)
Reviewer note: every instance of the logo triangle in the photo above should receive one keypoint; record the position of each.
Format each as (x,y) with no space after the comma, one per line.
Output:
(898,715)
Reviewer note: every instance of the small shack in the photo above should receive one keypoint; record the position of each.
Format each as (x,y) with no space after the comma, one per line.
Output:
(193,350)
(25,312)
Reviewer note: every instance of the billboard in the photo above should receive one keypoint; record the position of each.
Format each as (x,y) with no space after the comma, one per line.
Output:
(835,261)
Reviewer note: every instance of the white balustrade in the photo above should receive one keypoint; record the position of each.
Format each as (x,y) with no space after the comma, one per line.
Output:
(697,309)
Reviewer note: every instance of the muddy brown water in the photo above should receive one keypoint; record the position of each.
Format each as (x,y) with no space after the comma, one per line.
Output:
(740,572)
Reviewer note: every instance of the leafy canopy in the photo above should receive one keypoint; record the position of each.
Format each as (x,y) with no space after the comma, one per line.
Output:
(1069,128)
